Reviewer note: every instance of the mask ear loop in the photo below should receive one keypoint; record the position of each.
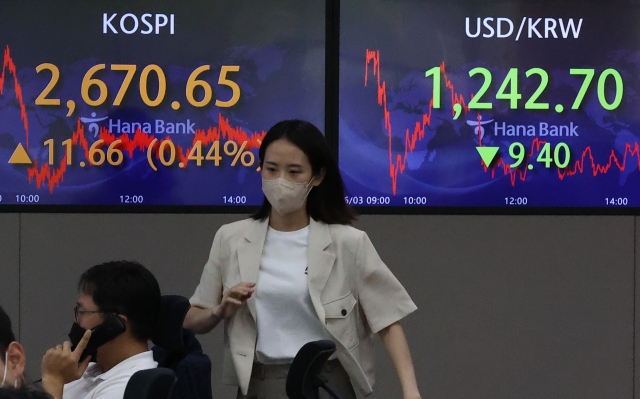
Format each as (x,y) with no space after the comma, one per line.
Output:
(6,358)
(307,194)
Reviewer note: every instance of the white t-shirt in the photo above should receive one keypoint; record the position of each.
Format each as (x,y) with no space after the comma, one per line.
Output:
(286,319)
(94,384)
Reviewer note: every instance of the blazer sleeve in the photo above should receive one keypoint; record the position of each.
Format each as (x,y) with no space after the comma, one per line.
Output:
(209,292)
(382,298)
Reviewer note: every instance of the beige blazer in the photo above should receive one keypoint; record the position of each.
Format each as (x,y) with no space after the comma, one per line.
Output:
(353,293)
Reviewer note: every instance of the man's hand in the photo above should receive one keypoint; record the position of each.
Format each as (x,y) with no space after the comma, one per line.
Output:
(60,365)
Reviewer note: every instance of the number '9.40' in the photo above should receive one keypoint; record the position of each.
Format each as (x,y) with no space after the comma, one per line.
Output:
(561,155)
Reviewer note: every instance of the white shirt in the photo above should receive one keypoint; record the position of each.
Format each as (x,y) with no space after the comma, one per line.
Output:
(286,318)
(94,384)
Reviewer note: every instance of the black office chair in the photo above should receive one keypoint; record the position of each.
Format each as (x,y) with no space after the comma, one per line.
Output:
(150,384)
(178,349)
(304,379)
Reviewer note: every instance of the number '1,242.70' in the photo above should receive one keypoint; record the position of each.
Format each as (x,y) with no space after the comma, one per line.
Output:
(509,88)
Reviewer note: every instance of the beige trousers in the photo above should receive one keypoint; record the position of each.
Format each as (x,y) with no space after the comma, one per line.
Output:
(268,381)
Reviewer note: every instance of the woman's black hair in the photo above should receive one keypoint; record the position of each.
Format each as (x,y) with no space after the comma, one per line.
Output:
(326,202)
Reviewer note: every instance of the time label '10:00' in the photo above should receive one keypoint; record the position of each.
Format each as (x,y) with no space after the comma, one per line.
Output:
(27,199)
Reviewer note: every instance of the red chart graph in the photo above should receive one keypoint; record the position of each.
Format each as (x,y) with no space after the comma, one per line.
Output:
(584,163)
(51,177)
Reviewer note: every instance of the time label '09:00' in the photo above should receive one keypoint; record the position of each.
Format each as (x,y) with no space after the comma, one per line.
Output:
(357,200)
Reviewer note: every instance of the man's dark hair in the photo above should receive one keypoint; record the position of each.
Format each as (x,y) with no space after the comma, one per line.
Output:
(326,202)
(6,334)
(126,288)
(23,393)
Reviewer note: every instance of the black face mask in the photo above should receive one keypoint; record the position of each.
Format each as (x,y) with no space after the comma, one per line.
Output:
(100,335)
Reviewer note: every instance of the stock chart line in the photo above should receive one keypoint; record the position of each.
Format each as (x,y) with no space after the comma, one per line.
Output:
(140,141)
(397,165)
(8,64)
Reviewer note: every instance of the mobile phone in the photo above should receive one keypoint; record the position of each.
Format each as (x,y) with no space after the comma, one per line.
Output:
(112,327)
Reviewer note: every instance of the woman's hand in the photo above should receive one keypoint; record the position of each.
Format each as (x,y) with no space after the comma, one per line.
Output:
(201,320)
(233,299)
(394,339)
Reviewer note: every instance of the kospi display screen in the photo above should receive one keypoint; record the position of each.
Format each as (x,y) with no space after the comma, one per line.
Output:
(150,102)
(490,103)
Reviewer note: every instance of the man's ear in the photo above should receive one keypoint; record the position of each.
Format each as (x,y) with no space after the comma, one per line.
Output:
(125,321)
(16,359)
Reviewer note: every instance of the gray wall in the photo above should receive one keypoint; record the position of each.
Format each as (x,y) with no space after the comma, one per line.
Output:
(509,306)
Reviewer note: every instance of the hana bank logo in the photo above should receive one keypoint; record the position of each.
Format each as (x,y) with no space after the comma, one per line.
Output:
(93,123)
(477,124)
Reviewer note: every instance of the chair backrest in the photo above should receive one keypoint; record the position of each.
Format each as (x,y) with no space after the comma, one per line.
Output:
(302,381)
(178,349)
(168,332)
(150,384)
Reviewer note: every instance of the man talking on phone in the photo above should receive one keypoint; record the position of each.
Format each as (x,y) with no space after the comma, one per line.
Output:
(115,316)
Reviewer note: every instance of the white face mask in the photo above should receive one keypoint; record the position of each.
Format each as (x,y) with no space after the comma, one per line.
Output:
(285,196)
(6,364)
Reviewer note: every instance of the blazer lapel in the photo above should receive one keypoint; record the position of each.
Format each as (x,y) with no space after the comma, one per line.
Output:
(320,263)
(249,254)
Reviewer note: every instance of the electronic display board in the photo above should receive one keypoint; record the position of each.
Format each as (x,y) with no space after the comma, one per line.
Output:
(136,103)
(490,104)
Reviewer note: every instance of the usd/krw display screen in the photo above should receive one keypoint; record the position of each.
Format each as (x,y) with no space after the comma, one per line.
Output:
(490,104)
(150,102)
